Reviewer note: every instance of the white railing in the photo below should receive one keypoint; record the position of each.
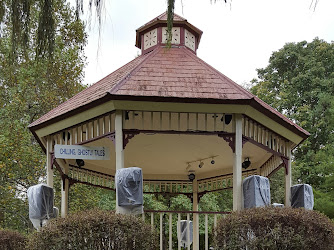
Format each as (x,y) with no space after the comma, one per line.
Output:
(222,182)
(271,165)
(104,125)
(167,223)
(264,136)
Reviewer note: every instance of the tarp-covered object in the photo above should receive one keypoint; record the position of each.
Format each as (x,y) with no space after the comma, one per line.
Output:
(277,205)
(302,196)
(256,191)
(129,190)
(55,213)
(182,232)
(40,198)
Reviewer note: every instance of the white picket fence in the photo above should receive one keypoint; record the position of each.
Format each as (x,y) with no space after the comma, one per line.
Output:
(167,223)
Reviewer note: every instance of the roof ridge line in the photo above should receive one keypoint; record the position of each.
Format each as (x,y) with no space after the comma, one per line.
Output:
(184,19)
(219,74)
(118,85)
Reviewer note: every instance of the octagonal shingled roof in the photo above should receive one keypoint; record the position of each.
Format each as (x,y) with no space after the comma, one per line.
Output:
(165,75)
(174,74)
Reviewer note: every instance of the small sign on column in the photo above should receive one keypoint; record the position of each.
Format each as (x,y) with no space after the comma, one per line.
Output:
(81,152)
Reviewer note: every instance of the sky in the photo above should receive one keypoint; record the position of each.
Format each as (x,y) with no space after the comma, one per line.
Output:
(238,37)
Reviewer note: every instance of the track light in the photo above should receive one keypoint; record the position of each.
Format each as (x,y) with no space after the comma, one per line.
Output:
(80,162)
(246,163)
(200,162)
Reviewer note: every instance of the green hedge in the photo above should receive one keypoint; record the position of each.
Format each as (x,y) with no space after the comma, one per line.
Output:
(95,229)
(274,228)
(10,240)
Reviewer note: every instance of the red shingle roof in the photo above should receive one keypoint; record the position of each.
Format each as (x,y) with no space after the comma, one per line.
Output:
(179,73)
(164,74)
(93,93)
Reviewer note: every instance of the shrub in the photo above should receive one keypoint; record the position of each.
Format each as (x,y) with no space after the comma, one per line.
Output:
(95,229)
(274,228)
(11,240)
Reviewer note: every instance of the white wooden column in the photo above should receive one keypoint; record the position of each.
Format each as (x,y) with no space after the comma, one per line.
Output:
(237,170)
(49,170)
(195,216)
(119,146)
(64,194)
(288,180)
(64,189)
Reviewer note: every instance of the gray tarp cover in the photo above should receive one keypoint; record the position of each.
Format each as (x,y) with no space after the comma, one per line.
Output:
(129,189)
(40,198)
(256,191)
(302,196)
(277,205)
(183,232)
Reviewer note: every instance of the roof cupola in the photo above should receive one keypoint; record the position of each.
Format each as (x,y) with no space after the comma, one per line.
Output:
(154,33)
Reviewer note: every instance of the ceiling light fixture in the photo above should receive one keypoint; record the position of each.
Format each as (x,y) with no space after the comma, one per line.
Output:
(191,176)
(201,164)
(228,119)
(246,163)
(126,115)
(80,162)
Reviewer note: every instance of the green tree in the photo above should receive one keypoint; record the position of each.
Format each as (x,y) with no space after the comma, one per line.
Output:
(299,82)
(31,85)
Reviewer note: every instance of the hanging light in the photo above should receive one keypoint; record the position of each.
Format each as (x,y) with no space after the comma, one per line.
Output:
(126,115)
(246,163)
(228,119)
(80,162)
(191,176)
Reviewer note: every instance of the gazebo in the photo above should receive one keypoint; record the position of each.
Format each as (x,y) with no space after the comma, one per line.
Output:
(191,129)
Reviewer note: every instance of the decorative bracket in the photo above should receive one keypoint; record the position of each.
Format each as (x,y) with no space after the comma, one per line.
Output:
(127,136)
(190,196)
(70,182)
(286,164)
(230,138)
(199,196)
(244,140)
(111,137)
(53,158)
